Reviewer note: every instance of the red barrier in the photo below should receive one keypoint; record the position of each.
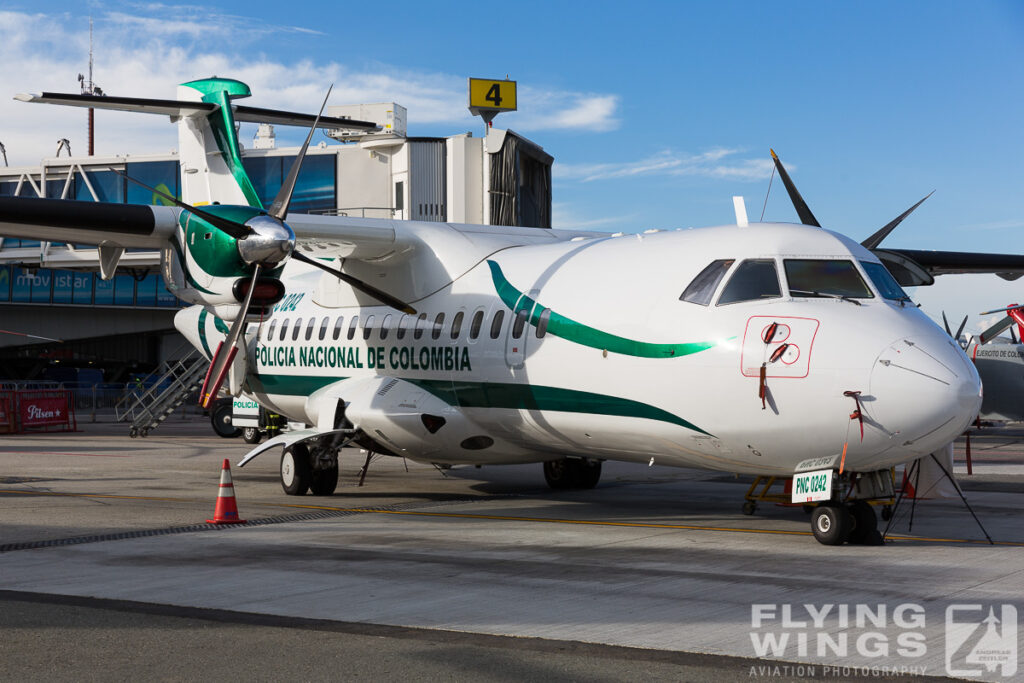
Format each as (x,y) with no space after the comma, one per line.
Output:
(46,410)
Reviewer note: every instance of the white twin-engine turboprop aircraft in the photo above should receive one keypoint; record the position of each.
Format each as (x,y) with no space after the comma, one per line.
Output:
(774,349)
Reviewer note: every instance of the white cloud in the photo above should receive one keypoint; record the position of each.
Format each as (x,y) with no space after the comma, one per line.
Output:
(714,163)
(564,216)
(139,53)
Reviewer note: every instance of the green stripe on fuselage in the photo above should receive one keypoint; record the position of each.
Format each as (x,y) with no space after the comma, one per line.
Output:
(498,395)
(288,385)
(570,330)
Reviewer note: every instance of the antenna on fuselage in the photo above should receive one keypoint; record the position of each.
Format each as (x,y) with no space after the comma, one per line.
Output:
(741,211)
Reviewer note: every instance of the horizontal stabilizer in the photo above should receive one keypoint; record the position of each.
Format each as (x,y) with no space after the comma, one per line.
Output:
(181,108)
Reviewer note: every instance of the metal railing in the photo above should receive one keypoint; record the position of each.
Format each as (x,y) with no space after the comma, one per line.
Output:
(358,212)
(154,398)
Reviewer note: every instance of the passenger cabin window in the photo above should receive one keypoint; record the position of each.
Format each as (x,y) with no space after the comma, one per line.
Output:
(499,318)
(297,329)
(474,327)
(323,328)
(438,325)
(421,324)
(457,324)
(385,326)
(825,277)
(368,327)
(542,324)
(704,285)
(284,329)
(309,328)
(752,280)
(884,281)
(403,325)
(338,324)
(352,325)
(270,330)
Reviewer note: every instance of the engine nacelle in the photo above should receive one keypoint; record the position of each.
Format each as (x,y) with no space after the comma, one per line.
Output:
(409,421)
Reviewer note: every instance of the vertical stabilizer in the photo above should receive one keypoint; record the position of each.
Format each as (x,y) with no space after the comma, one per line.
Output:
(211,161)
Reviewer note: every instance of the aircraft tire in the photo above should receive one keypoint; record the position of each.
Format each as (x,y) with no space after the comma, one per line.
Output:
(324,482)
(220,418)
(296,474)
(588,473)
(251,435)
(831,524)
(865,524)
(558,474)
(572,473)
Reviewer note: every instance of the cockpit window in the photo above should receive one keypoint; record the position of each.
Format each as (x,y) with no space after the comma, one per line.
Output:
(704,285)
(825,278)
(753,280)
(884,281)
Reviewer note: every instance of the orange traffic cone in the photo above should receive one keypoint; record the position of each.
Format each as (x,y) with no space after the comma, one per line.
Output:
(226,511)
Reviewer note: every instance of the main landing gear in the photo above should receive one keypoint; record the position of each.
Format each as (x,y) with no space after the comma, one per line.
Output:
(572,473)
(304,470)
(835,524)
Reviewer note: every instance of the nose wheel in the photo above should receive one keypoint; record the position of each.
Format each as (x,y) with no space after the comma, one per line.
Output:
(835,524)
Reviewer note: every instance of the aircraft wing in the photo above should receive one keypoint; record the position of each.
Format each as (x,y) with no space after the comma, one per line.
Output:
(917,267)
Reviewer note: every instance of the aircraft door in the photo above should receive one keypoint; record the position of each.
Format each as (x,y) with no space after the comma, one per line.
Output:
(519,331)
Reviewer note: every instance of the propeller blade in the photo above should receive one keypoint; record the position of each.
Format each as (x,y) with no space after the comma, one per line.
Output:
(802,210)
(236,230)
(959,330)
(1001,310)
(876,239)
(279,209)
(945,323)
(356,283)
(227,349)
(994,331)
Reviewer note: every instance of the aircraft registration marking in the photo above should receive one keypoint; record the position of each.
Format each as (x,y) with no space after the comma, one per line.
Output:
(809,487)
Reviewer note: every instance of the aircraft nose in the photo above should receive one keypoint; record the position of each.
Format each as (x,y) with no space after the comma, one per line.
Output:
(925,390)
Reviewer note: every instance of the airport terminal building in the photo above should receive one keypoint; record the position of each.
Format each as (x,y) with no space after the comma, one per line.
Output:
(62,321)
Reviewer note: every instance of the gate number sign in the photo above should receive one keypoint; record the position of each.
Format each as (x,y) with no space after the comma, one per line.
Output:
(491,95)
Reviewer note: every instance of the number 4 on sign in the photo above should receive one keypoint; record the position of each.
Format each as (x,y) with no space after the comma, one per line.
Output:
(494,95)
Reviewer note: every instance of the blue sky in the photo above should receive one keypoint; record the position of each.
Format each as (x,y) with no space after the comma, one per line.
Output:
(656,113)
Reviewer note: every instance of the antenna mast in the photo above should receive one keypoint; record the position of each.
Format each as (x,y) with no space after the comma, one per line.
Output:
(90,88)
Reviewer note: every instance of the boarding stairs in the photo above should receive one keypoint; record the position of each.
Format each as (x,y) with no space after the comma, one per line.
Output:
(148,407)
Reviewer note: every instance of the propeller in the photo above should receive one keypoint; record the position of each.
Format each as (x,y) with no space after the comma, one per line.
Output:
(802,210)
(876,239)
(959,330)
(264,240)
(807,218)
(226,350)
(1015,314)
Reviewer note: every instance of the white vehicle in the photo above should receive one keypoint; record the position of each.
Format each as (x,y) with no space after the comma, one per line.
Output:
(245,415)
(767,348)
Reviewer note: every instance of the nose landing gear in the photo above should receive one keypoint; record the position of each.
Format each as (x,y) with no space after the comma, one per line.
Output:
(835,524)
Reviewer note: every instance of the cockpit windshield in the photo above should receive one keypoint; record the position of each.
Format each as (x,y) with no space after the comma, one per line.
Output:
(754,279)
(704,285)
(884,281)
(825,278)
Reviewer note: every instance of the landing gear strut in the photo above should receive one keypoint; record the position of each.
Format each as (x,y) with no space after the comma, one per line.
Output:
(572,473)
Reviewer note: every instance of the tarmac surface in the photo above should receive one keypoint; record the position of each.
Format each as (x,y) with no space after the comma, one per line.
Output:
(108,570)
